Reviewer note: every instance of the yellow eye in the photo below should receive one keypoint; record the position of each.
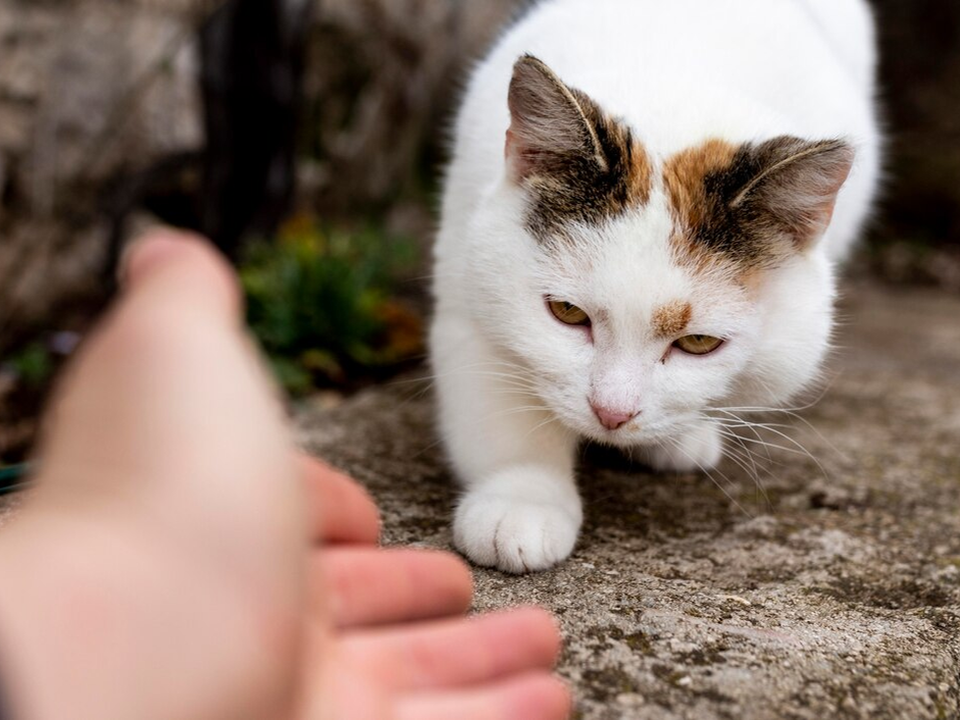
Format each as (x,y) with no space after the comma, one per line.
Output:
(567,313)
(698,344)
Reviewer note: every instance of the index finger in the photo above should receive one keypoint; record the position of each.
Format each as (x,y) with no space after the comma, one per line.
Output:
(339,509)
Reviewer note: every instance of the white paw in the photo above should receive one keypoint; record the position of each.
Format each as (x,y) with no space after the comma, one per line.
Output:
(508,529)
(700,449)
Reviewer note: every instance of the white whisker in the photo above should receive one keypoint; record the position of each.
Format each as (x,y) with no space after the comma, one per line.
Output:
(706,472)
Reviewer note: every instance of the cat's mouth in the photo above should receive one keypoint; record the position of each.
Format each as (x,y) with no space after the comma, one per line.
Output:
(636,431)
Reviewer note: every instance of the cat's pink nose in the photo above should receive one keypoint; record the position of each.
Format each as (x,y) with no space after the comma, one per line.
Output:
(612,419)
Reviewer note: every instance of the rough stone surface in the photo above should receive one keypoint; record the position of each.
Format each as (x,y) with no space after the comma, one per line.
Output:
(832,591)
(89,90)
(95,91)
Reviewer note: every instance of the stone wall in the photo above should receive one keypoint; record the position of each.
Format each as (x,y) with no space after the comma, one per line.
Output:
(88,90)
(93,92)
(384,75)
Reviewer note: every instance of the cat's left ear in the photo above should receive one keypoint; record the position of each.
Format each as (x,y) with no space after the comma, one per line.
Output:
(794,186)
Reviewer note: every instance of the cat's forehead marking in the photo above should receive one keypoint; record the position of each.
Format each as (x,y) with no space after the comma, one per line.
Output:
(575,193)
(672,319)
(687,178)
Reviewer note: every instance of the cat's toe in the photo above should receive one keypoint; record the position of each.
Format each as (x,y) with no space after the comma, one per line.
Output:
(514,535)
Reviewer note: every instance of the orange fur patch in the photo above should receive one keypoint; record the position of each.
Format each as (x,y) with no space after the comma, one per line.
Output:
(683,177)
(684,173)
(669,321)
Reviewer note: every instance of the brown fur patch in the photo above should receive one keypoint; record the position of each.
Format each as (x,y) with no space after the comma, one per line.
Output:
(578,163)
(684,178)
(753,205)
(684,175)
(669,321)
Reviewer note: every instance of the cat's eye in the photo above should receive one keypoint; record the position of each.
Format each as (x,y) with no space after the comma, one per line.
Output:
(568,313)
(698,344)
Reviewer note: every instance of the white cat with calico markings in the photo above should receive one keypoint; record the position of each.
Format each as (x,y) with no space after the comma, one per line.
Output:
(640,222)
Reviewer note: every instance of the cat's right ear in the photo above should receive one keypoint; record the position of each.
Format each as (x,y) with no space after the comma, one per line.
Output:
(550,124)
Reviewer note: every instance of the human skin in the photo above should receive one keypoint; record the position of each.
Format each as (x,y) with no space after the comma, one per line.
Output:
(178,558)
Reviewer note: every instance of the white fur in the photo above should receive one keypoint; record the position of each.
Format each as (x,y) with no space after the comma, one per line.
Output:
(513,382)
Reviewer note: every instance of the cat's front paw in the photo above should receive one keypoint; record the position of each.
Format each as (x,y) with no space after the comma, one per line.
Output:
(518,537)
(699,449)
(515,532)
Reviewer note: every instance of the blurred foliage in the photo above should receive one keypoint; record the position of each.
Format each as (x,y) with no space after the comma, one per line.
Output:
(322,303)
(33,365)
(25,381)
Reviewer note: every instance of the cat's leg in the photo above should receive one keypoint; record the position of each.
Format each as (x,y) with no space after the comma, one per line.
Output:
(520,510)
(700,448)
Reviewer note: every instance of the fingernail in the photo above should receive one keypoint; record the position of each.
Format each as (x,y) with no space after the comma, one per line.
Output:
(145,251)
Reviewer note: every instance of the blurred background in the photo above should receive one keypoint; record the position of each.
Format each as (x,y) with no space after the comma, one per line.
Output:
(306,137)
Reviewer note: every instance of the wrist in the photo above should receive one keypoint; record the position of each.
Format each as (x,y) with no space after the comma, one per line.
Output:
(100,620)
(76,634)
(31,608)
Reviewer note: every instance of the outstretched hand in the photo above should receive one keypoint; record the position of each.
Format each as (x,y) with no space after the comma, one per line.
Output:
(180,559)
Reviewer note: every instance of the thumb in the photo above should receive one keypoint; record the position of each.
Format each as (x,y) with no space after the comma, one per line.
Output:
(181,267)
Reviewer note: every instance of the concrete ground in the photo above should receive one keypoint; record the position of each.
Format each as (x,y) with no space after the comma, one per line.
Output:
(832,591)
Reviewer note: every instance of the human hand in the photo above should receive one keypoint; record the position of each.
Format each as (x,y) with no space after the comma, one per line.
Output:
(164,566)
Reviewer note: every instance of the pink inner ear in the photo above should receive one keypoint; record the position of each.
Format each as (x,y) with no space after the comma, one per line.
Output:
(833,184)
(517,166)
(827,213)
(802,189)
(822,197)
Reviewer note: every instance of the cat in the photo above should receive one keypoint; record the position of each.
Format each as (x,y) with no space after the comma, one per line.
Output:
(642,214)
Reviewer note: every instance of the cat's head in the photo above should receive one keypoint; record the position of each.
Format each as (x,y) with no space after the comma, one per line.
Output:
(639,291)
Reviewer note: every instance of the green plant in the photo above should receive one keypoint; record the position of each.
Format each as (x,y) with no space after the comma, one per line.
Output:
(33,365)
(320,302)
